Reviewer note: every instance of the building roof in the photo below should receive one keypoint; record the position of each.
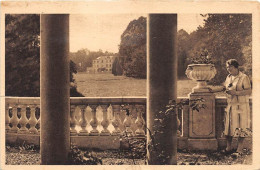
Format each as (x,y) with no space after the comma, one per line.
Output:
(104,57)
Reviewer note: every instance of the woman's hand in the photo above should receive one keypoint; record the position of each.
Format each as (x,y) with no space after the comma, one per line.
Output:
(231,92)
(215,89)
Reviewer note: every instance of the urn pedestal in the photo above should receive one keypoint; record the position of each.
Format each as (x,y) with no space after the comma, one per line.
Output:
(202,134)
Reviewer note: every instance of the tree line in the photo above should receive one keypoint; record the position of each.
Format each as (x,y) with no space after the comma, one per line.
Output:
(84,57)
(22,57)
(224,36)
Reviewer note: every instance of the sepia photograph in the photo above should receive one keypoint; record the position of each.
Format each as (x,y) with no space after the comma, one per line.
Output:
(107,87)
(142,87)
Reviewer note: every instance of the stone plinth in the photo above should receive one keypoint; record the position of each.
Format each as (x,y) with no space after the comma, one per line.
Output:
(20,139)
(202,124)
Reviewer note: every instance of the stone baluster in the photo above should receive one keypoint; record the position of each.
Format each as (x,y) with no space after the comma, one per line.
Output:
(7,119)
(23,120)
(94,121)
(178,123)
(73,131)
(140,121)
(14,120)
(116,120)
(83,123)
(33,121)
(127,123)
(39,120)
(105,122)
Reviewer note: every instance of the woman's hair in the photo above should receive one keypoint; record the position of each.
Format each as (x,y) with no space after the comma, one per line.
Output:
(232,62)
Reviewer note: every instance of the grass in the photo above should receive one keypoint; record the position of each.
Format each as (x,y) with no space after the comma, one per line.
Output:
(108,85)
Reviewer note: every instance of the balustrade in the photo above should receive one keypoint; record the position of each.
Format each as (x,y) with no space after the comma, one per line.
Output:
(83,122)
(14,120)
(101,117)
(94,122)
(22,116)
(23,120)
(33,121)
(105,122)
(114,123)
(140,123)
(73,131)
(7,118)
(39,124)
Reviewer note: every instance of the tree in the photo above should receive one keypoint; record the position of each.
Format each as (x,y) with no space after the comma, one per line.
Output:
(80,58)
(22,54)
(183,39)
(225,36)
(116,67)
(132,49)
(22,50)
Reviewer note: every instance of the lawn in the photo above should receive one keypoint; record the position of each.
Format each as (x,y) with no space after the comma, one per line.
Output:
(108,85)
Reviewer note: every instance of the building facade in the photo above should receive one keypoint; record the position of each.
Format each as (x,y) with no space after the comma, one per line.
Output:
(102,64)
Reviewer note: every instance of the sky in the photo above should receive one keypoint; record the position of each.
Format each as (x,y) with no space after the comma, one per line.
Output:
(103,31)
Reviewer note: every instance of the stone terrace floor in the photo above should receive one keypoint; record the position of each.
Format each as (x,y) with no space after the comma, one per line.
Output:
(21,156)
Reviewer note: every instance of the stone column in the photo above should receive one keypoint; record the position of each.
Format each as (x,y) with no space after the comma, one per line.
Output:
(162,145)
(55,89)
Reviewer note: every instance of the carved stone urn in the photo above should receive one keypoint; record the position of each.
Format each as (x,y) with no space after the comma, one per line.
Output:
(201,73)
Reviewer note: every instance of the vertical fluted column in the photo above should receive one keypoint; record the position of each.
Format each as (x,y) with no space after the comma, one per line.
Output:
(7,118)
(116,120)
(140,121)
(14,120)
(55,89)
(162,42)
(94,121)
(83,121)
(105,122)
(73,131)
(23,120)
(33,121)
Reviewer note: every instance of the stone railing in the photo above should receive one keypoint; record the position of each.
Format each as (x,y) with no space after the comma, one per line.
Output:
(105,118)
(99,122)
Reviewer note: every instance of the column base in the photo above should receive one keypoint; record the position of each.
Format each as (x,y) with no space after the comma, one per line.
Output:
(203,144)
